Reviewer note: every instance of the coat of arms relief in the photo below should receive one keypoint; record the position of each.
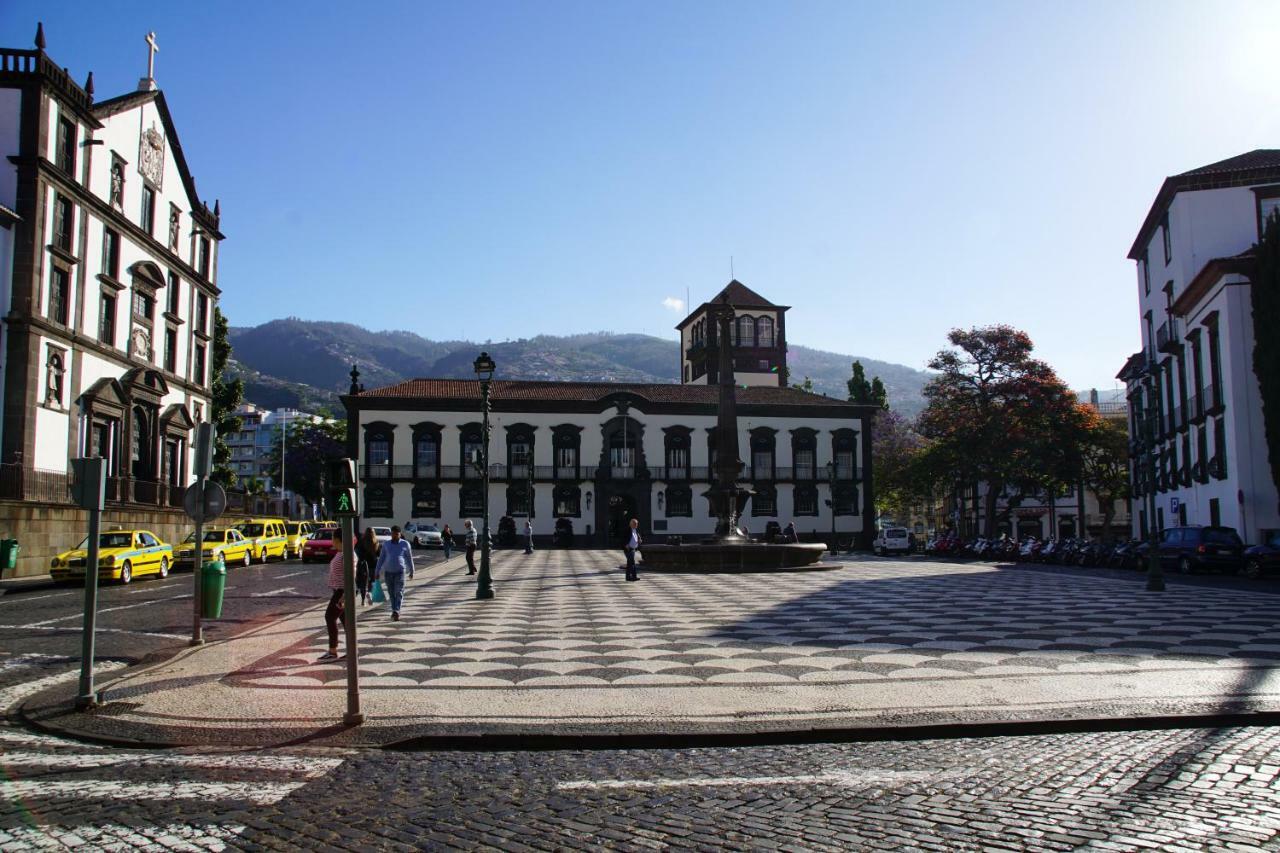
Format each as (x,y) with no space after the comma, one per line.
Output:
(151,156)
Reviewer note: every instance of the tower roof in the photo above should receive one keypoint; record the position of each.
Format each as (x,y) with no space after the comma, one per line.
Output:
(735,294)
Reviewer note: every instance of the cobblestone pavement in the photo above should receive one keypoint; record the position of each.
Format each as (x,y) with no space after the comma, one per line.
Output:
(564,619)
(1166,790)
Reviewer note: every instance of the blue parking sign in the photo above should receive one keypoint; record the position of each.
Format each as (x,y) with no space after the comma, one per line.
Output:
(1173,504)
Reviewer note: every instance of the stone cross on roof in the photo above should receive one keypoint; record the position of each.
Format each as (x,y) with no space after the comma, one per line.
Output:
(148,83)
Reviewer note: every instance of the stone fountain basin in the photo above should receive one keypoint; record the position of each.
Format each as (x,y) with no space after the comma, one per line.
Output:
(734,557)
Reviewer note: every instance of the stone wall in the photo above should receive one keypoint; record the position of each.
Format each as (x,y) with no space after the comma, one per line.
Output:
(45,529)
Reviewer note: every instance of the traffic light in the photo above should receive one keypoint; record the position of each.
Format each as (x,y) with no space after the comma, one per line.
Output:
(342,487)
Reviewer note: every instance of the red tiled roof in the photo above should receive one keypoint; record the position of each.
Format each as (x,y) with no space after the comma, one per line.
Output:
(1260,166)
(590,392)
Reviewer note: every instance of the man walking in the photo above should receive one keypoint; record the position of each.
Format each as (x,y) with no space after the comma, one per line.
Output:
(469,530)
(528,536)
(633,545)
(394,561)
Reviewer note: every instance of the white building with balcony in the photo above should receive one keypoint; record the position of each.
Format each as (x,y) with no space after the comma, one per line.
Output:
(1195,408)
(599,453)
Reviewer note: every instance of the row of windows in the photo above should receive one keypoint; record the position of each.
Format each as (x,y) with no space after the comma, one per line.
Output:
(622,450)
(1178,465)
(65,146)
(745,331)
(1267,206)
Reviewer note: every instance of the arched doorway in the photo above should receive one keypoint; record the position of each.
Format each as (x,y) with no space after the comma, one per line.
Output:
(621,509)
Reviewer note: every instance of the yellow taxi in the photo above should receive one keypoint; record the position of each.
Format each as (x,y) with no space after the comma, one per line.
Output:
(267,537)
(297,531)
(220,543)
(122,556)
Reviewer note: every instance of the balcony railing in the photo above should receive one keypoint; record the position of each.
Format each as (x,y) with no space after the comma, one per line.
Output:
(29,484)
(552,473)
(1167,337)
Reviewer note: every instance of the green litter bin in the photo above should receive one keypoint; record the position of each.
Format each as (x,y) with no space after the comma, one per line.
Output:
(213,582)
(8,554)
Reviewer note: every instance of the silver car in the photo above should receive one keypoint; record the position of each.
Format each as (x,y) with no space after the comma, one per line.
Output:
(423,535)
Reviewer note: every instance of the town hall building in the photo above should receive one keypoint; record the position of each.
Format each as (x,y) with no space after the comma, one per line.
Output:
(601,453)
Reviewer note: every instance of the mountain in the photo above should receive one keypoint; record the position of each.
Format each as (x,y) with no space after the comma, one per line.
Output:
(306,364)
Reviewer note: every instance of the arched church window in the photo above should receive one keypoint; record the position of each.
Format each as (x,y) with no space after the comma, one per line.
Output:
(746,331)
(764,331)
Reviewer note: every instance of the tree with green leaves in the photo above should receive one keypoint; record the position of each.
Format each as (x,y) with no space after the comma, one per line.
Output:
(1105,464)
(996,415)
(308,449)
(1265,296)
(895,445)
(866,392)
(227,397)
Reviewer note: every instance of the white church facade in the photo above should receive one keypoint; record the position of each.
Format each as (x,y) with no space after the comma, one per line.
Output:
(599,453)
(108,285)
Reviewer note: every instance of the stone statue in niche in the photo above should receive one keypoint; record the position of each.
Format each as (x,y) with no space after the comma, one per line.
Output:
(53,381)
(141,343)
(151,156)
(117,183)
(174,216)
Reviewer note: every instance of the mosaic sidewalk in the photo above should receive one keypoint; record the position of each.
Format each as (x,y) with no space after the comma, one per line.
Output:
(567,619)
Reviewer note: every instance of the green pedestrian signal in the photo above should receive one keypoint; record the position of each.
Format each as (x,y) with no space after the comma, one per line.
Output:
(344,502)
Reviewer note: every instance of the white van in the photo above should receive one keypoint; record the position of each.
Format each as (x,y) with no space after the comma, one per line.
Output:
(892,540)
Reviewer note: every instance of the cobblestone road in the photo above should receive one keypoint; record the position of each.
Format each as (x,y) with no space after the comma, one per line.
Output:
(1167,790)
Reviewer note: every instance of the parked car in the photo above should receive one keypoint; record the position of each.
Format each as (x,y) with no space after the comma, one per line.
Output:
(423,535)
(1194,549)
(319,546)
(892,540)
(267,536)
(296,532)
(220,543)
(382,534)
(1263,559)
(563,535)
(122,555)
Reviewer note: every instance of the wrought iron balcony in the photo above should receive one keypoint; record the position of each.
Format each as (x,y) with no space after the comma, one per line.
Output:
(1168,338)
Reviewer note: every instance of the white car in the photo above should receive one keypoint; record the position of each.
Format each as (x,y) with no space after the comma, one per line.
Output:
(382,534)
(423,535)
(892,540)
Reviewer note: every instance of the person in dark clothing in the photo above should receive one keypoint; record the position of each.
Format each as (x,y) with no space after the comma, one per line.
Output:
(366,559)
(334,613)
(446,539)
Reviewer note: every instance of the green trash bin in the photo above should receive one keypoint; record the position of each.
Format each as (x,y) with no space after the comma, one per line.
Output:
(8,554)
(213,582)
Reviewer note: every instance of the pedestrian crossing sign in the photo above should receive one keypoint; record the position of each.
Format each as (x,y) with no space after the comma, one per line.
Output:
(343,502)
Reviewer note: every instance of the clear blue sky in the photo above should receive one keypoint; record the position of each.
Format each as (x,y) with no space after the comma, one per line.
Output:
(502,170)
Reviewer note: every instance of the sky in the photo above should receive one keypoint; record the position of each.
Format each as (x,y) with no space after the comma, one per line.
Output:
(493,171)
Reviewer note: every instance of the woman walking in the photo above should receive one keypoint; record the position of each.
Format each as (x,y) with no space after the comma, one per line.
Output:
(366,560)
(446,538)
(333,614)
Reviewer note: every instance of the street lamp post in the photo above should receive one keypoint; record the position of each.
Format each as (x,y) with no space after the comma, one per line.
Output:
(484,366)
(831,482)
(1155,574)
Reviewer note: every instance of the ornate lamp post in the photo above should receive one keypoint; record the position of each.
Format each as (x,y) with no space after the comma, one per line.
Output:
(1150,427)
(831,481)
(484,367)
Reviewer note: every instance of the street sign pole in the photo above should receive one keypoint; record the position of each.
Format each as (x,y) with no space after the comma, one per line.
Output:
(353,717)
(342,480)
(197,568)
(90,493)
(203,467)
